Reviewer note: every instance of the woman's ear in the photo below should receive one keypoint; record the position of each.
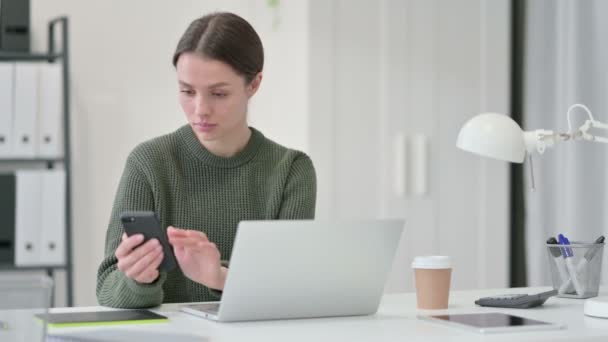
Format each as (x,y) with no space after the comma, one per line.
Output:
(254,85)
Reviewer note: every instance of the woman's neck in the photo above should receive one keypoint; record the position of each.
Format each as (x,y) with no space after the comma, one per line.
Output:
(229,145)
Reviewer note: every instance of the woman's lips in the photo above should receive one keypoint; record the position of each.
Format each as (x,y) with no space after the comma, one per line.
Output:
(205,126)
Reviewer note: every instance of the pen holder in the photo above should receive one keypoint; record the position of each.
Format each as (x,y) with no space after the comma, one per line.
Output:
(575,268)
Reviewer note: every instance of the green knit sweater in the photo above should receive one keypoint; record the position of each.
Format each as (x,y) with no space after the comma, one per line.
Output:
(189,187)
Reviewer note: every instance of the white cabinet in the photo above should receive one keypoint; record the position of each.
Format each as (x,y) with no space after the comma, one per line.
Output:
(391,82)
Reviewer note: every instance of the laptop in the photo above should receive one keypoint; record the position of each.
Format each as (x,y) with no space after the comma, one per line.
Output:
(305,269)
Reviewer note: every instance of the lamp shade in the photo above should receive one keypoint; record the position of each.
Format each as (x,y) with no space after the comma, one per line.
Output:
(493,135)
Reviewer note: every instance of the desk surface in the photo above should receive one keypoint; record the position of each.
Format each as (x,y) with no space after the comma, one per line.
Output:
(395,321)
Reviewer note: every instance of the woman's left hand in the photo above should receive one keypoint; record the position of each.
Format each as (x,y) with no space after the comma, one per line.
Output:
(197,257)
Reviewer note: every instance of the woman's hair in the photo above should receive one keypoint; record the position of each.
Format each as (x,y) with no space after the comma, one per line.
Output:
(225,37)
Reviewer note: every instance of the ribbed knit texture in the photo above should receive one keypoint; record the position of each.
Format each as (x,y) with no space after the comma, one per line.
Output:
(190,188)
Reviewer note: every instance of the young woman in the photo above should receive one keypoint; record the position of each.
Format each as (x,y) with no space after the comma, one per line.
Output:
(203,178)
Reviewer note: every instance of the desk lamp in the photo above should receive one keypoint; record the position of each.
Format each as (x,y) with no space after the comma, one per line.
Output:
(498,136)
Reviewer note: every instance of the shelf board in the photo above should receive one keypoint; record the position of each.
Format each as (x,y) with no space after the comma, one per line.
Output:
(32,160)
(12,267)
(28,56)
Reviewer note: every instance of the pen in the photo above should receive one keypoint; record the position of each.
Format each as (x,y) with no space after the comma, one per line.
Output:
(561,266)
(568,254)
(582,264)
(592,251)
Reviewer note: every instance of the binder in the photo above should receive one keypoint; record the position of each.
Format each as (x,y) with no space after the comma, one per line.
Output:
(27,217)
(52,218)
(26,110)
(7,219)
(50,137)
(7,77)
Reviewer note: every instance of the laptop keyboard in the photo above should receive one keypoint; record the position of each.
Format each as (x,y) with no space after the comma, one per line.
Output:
(212,308)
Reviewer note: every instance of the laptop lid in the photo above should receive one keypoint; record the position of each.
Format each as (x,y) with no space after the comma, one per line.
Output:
(302,269)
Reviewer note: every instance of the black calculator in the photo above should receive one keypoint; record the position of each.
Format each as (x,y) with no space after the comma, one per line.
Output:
(516,301)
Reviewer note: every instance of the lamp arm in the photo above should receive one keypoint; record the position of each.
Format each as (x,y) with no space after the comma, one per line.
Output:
(583,132)
(540,139)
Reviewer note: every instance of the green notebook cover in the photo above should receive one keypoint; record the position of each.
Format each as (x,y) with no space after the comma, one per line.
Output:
(96,318)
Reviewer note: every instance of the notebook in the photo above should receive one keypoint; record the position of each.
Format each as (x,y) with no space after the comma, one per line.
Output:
(93,318)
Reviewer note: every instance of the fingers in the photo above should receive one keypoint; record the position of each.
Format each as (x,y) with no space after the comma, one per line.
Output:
(150,273)
(125,262)
(127,245)
(186,238)
(186,242)
(148,276)
(190,244)
(188,233)
(139,261)
(149,261)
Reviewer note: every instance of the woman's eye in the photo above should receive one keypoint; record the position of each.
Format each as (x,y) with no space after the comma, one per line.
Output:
(187,91)
(219,94)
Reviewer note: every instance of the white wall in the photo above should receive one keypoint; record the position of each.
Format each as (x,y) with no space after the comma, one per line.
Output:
(405,69)
(124,92)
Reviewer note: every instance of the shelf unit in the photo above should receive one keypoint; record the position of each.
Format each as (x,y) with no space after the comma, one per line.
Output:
(60,55)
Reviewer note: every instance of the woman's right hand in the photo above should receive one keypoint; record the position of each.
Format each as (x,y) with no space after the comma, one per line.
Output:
(139,262)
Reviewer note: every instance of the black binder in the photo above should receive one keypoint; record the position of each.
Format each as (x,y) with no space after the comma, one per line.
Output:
(15,25)
(7,219)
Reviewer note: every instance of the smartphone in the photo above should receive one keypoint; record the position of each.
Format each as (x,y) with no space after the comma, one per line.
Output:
(148,224)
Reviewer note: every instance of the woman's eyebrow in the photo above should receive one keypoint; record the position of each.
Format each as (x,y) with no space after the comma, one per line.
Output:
(218,84)
(214,85)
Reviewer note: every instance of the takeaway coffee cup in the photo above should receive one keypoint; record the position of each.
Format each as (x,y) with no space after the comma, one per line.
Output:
(432,275)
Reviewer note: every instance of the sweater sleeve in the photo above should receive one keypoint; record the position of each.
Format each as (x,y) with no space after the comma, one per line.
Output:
(300,192)
(114,288)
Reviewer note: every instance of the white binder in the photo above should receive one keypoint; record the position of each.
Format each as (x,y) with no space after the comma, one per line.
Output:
(28,207)
(7,77)
(50,132)
(26,110)
(52,218)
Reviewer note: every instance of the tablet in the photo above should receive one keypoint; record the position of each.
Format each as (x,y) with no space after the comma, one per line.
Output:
(492,322)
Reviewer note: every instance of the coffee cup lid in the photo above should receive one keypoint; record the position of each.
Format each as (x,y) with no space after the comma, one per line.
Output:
(432,262)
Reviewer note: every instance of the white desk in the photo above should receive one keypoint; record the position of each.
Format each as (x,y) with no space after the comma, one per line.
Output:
(395,321)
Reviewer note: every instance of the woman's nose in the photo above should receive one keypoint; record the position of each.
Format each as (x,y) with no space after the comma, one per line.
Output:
(202,108)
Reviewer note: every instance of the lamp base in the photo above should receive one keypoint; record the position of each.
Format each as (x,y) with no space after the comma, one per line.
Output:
(597,307)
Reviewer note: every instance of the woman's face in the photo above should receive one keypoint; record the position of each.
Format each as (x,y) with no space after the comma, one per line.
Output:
(213,96)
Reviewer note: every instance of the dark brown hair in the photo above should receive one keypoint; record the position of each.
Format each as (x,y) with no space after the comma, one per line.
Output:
(225,37)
